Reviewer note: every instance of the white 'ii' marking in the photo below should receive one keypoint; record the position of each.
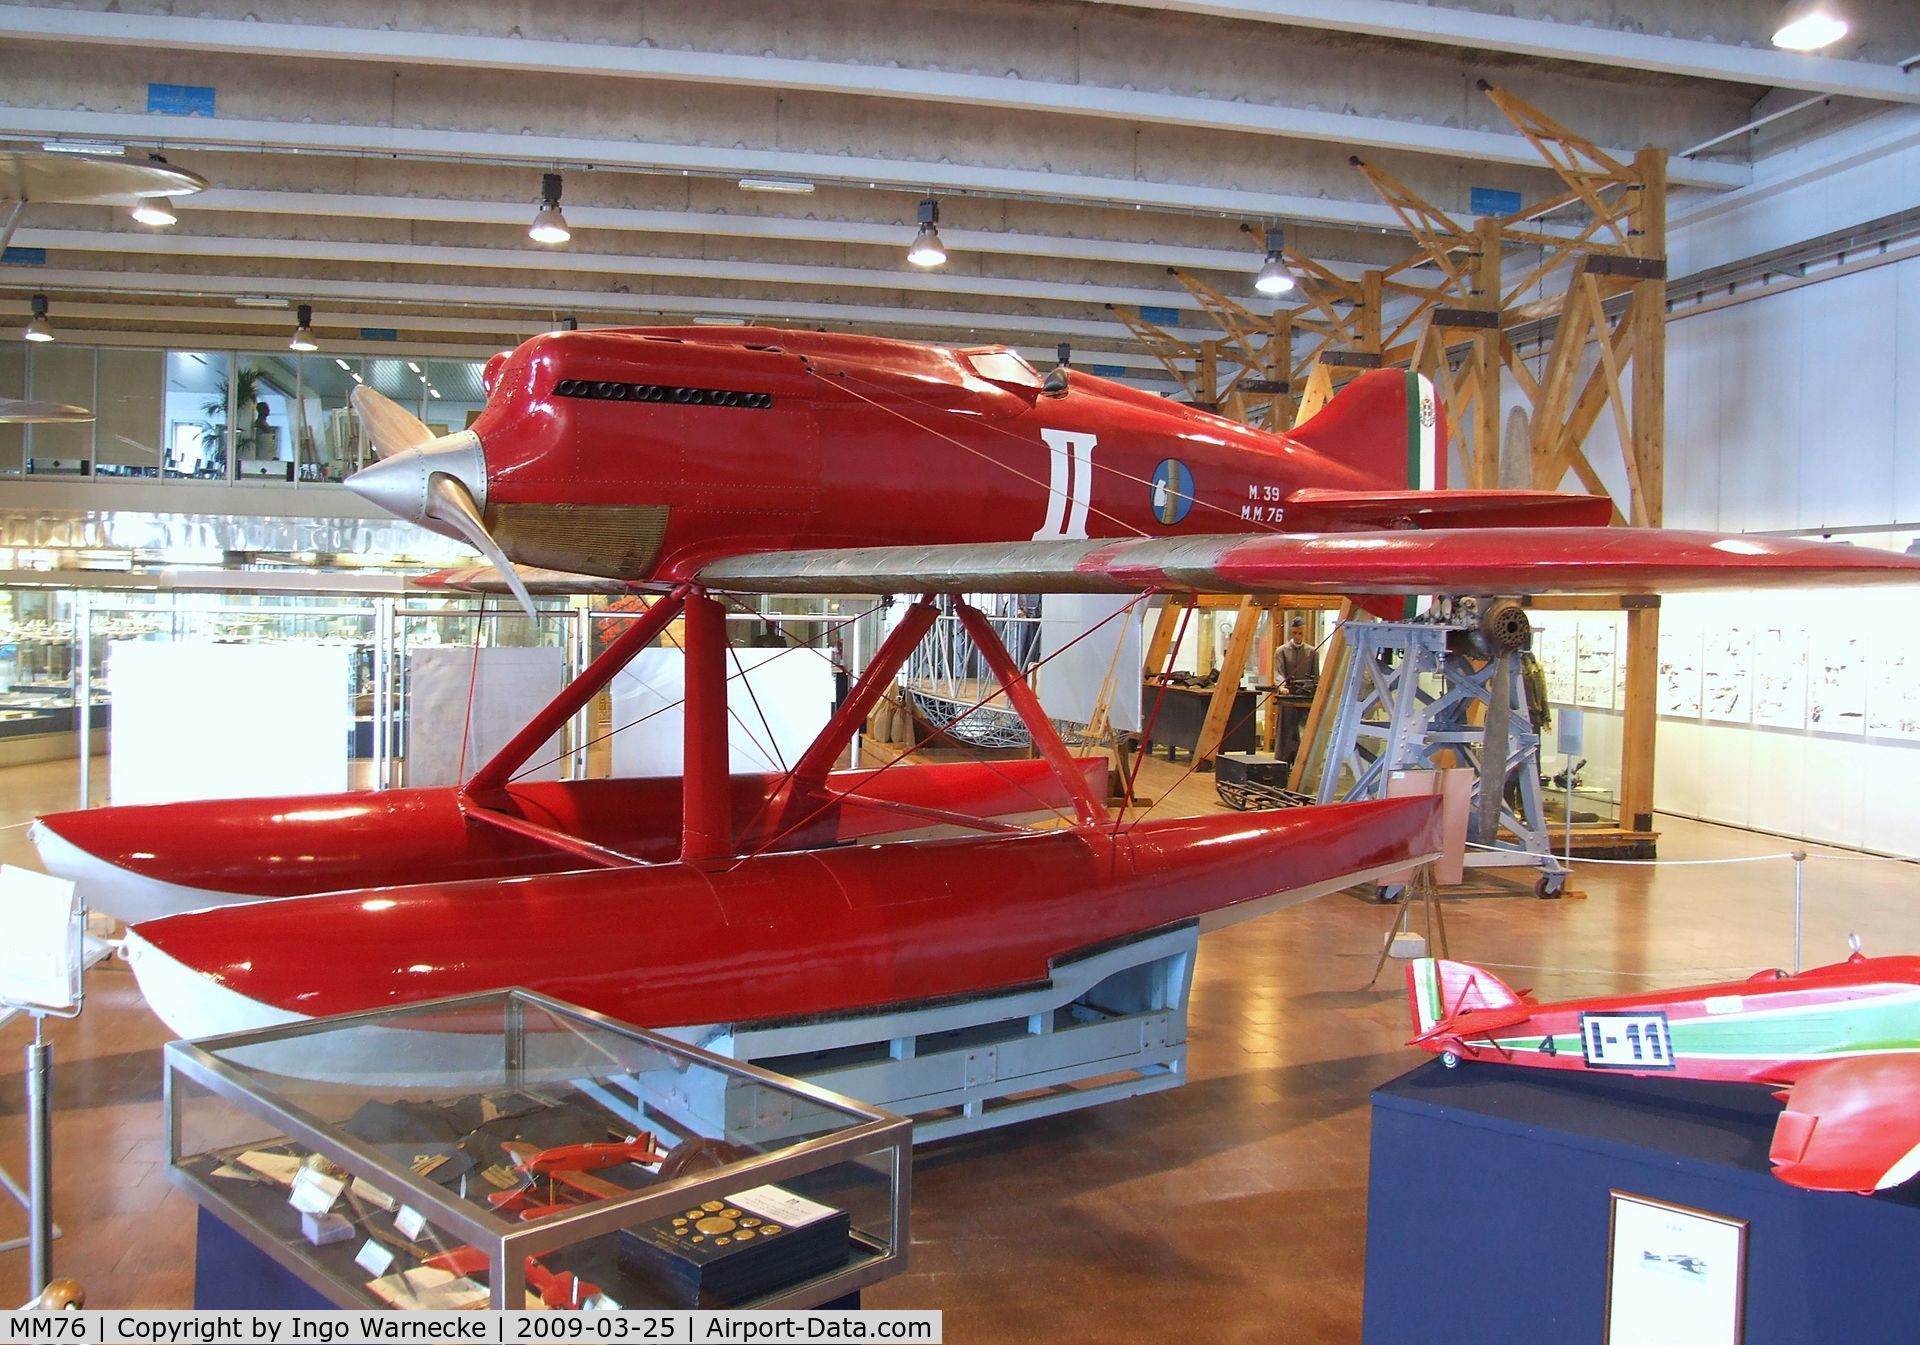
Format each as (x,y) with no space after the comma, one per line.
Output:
(1069,484)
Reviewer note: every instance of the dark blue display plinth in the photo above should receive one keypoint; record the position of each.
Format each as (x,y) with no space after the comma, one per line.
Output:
(1487,1210)
(231,1273)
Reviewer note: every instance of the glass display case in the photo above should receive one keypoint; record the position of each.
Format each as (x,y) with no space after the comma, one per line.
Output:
(508,1150)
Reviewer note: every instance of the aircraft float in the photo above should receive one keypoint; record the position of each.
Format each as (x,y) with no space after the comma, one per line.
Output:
(1841,1044)
(701,462)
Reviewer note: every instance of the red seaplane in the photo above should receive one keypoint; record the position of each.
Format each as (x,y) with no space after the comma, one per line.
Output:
(1841,1043)
(701,461)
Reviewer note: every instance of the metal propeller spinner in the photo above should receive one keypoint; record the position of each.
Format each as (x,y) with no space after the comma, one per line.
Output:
(439,482)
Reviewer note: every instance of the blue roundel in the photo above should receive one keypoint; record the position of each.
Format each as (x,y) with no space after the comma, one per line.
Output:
(1172,491)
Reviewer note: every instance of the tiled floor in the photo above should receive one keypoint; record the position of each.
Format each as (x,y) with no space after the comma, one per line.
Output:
(1236,1203)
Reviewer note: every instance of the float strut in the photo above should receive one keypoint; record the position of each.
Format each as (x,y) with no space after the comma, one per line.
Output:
(707,827)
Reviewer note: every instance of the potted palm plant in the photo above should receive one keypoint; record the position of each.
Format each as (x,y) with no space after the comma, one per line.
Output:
(213,429)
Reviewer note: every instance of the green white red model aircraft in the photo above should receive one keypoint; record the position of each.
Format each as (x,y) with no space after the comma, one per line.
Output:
(1840,1043)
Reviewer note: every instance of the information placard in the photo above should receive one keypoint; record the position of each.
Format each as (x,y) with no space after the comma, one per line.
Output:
(1675,1276)
(40,958)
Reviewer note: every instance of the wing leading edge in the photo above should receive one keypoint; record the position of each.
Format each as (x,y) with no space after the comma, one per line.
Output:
(1454,560)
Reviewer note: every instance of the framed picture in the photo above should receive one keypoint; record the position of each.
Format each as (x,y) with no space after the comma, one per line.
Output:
(1675,1276)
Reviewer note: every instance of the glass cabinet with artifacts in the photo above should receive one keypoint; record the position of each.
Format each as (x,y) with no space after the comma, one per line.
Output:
(508,1150)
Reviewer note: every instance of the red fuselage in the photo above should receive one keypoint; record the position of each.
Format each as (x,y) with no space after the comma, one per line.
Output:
(645,454)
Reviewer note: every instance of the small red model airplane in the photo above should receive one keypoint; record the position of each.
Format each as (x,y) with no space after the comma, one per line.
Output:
(1842,1043)
(696,461)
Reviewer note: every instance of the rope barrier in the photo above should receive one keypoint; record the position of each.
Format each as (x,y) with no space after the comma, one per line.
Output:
(1637,863)
(1796,855)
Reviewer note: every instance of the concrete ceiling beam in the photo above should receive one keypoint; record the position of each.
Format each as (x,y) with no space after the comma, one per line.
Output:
(247,324)
(977,327)
(944,282)
(537,56)
(234,133)
(1476,30)
(516,214)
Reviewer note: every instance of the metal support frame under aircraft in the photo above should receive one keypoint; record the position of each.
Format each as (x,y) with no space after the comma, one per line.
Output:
(1406,694)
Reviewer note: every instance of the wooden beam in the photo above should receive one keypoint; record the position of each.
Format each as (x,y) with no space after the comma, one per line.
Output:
(1639,719)
(1331,658)
(1160,644)
(1529,385)
(1484,360)
(1563,361)
(1315,395)
(1649,219)
(1616,398)
(1233,665)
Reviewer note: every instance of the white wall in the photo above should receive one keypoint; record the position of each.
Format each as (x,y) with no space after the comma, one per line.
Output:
(1799,409)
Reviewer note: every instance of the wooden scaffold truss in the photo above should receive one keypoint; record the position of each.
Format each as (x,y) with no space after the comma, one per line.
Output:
(1580,274)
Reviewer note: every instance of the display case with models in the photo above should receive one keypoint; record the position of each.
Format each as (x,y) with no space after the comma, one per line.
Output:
(508,1150)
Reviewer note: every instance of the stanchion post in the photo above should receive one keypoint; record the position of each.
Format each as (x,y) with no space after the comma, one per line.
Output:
(40,1157)
(1799,896)
(1566,760)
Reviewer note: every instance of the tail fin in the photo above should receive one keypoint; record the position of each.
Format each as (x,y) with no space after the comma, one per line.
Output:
(1438,989)
(1387,423)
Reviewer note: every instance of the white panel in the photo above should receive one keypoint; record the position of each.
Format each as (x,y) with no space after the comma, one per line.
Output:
(1799,195)
(1692,498)
(1075,673)
(1835,791)
(198,720)
(1829,781)
(1844,431)
(448,739)
(1777,784)
(779,705)
(1903,290)
(1679,783)
(1888,819)
(787,691)
(1758,405)
(649,730)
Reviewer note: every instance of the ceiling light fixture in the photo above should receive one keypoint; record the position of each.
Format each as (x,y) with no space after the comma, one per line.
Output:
(792,186)
(303,330)
(434,393)
(156,212)
(926,249)
(345,368)
(1274,278)
(38,328)
(411,365)
(101,147)
(549,225)
(1809,25)
(258,301)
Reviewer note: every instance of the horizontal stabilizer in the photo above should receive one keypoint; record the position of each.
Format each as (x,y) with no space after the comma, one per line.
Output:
(1851,1125)
(1456,560)
(1315,510)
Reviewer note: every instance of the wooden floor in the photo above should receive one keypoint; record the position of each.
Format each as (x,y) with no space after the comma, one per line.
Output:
(1237,1202)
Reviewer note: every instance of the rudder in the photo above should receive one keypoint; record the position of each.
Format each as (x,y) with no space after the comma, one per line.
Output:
(1438,990)
(1387,423)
